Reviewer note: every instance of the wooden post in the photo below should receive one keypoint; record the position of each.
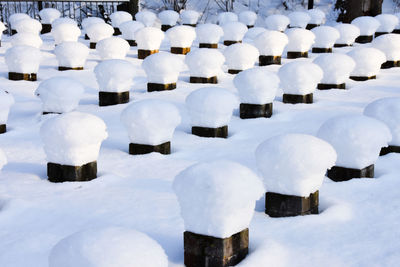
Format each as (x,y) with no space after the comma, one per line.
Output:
(133,7)
(40,5)
(310,4)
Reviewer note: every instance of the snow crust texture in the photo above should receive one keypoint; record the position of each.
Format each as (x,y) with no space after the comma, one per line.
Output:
(114,75)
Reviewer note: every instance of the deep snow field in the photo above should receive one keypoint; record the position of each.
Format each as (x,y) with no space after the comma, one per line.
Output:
(359,220)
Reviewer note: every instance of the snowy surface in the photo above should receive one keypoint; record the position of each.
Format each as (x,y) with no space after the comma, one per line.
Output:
(336,67)
(23,59)
(129,28)
(357,139)
(234,31)
(107,247)
(300,40)
(26,38)
(150,121)
(6,101)
(277,22)
(209,33)
(298,164)
(73,138)
(99,31)
(367,25)
(146,17)
(388,44)
(48,15)
(168,17)
(119,17)
(181,36)
(71,54)
(299,19)
(217,198)
(348,33)
(28,25)
(227,17)
(317,16)
(368,61)
(248,17)
(271,43)
(14,18)
(189,16)
(162,68)
(112,48)
(240,56)
(387,22)
(65,32)
(114,75)
(205,62)
(149,38)
(325,36)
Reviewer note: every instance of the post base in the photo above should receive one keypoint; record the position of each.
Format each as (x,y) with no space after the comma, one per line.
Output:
(193,25)
(221,132)
(327,86)
(165,28)
(294,55)
(180,50)
(15,76)
(269,60)
(251,111)
(92,45)
(142,54)
(389,149)
(341,45)
(298,99)
(339,174)
(50,112)
(228,43)
(377,34)
(46,28)
(58,173)
(86,37)
(234,71)
(364,39)
(362,78)
(113,98)
(140,149)
(321,50)
(117,32)
(204,45)
(279,205)
(390,64)
(132,42)
(3,128)
(396,31)
(151,87)
(60,68)
(212,80)
(311,26)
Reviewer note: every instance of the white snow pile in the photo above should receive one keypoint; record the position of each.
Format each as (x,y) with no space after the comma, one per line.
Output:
(23,59)
(28,25)
(357,139)
(181,36)
(16,17)
(367,25)
(73,138)
(26,38)
(204,62)
(256,86)
(248,17)
(146,17)
(348,33)
(300,77)
(99,31)
(336,67)
(162,68)
(86,22)
(150,121)
(217,198)
(211,107)
(107,247)
(3,159)
(71,54)
(368,61)
(209,33)
(2,28)
(48,15)
(271,43)
(299,19)
(277,22)
(189,17)
(112,48)
(388,44)
(234,31)
(387,22)
(387,110)
(298,164)
(6,101)
(227,17)
(300,40)
(317,16)
(65,32)
(119,17)
(240,56)
(63,20)
(114,75)
(149,38)
(60,94)
(252,33)
(168,17)
(129,28)
(325,36)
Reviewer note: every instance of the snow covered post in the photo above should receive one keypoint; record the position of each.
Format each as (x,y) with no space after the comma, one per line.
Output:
(71,55)
(387,24)
(252,33)
(277,22)
(114,77)
(299,79)
(117,18)
(146,17)
(317,18)
(26,38)
(111,246)
(86,22)
(204,65)
(248,18)
(299,19)
(97,32)
(59,95)
(72,143)
(357,140)
(148,41)
(112,48)
(387,110)
(390,45)
(325,38)
(28,25)
(23,62)
(150,124)
(270,44)
(6,101)
(63,20)
(47,16)
(336,68)
(181,39)
(294,174)
(257,89)
(210,110)
(239,57)
(368,26)
(129,29)
(234,32)
(162,70)
(217,201)
(168,19)
(65,32)
(368,63)
(348,34)
(300,41)
(227,17)
(189,17)
(209,35)
(14,18)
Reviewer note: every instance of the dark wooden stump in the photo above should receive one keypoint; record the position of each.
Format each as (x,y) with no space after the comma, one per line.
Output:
(390,64)
(58,173)
(117,32)
(327,86)
(364,39)
(193,25)
(50,112)
(92,45)
(151,87)
(221,132)
(341,45)
(362,78)
(389,149)
(234,71)
(142,54)
(15,76)
(250,26)
(113,98)
(60,68)
(294,55)
(212,80)
(396,31)
(180,50)
(298,99)
(339,174)
(13,31)
(251,111)
(165,28)
(279,205)
(269,60)
(209,251)
(228,43)
(86,37)
(321,50)
(132,42)
(377,34)
(46,28)
(204,45)
(140,149)
(311,26)
(3,128)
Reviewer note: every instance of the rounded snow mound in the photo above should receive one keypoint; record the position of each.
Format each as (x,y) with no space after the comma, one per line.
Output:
(119,17)
(336,67)
(181,36)
(388,44)
(149,38)
(205,62)
(348,33)
(240,56)
(168,17)
(6,101)
(86,22)
(277,22)
(129,28)
(256,86)
(300,40)
(114,75)
(2,28)
(99,31)
(368,61)
(252,33)
(48,15)
(59,21)
(298,164)
(71,54)
(387,22)
(107,247)
(248,17)
(234,31)
(23,59)
(73,138)
(189,16)
(317,16)
(112,48)
(227,17)
(271,43)
(65,33)
(162,68)
(357,139)
(16,17)
(325,36)
(217,198)
(211,106)
(299,19)
(209,33)
(28,26)
(146,17)
(60,94)
(299,77)
(150,121)
(367,25)
(26,38)
(3,159)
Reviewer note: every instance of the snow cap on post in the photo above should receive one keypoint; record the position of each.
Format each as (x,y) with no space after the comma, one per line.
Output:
(114,75)
(325,36)
(336,67)
(129,29)
(14,18)
(28,25)
(205,62)
(368,61)
(162,68)
(168,17)
(387,22)
(209,33)
(271,43)
(71,54)
(277,22)
(48,15)
(146,17)
(240,56)
(23,59)
(119,17)
(248,17)
(63,20)
(112,48)
(367,25)
(234,31)
(26,38)
(65,33)
(99,31)
(300,40)
(6,101)
(189,17)
(252,33)
(86,22)
(181,36)
(348,33)
(317,16)
(299,19)
(149,38)
(227,17)
(388,44)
